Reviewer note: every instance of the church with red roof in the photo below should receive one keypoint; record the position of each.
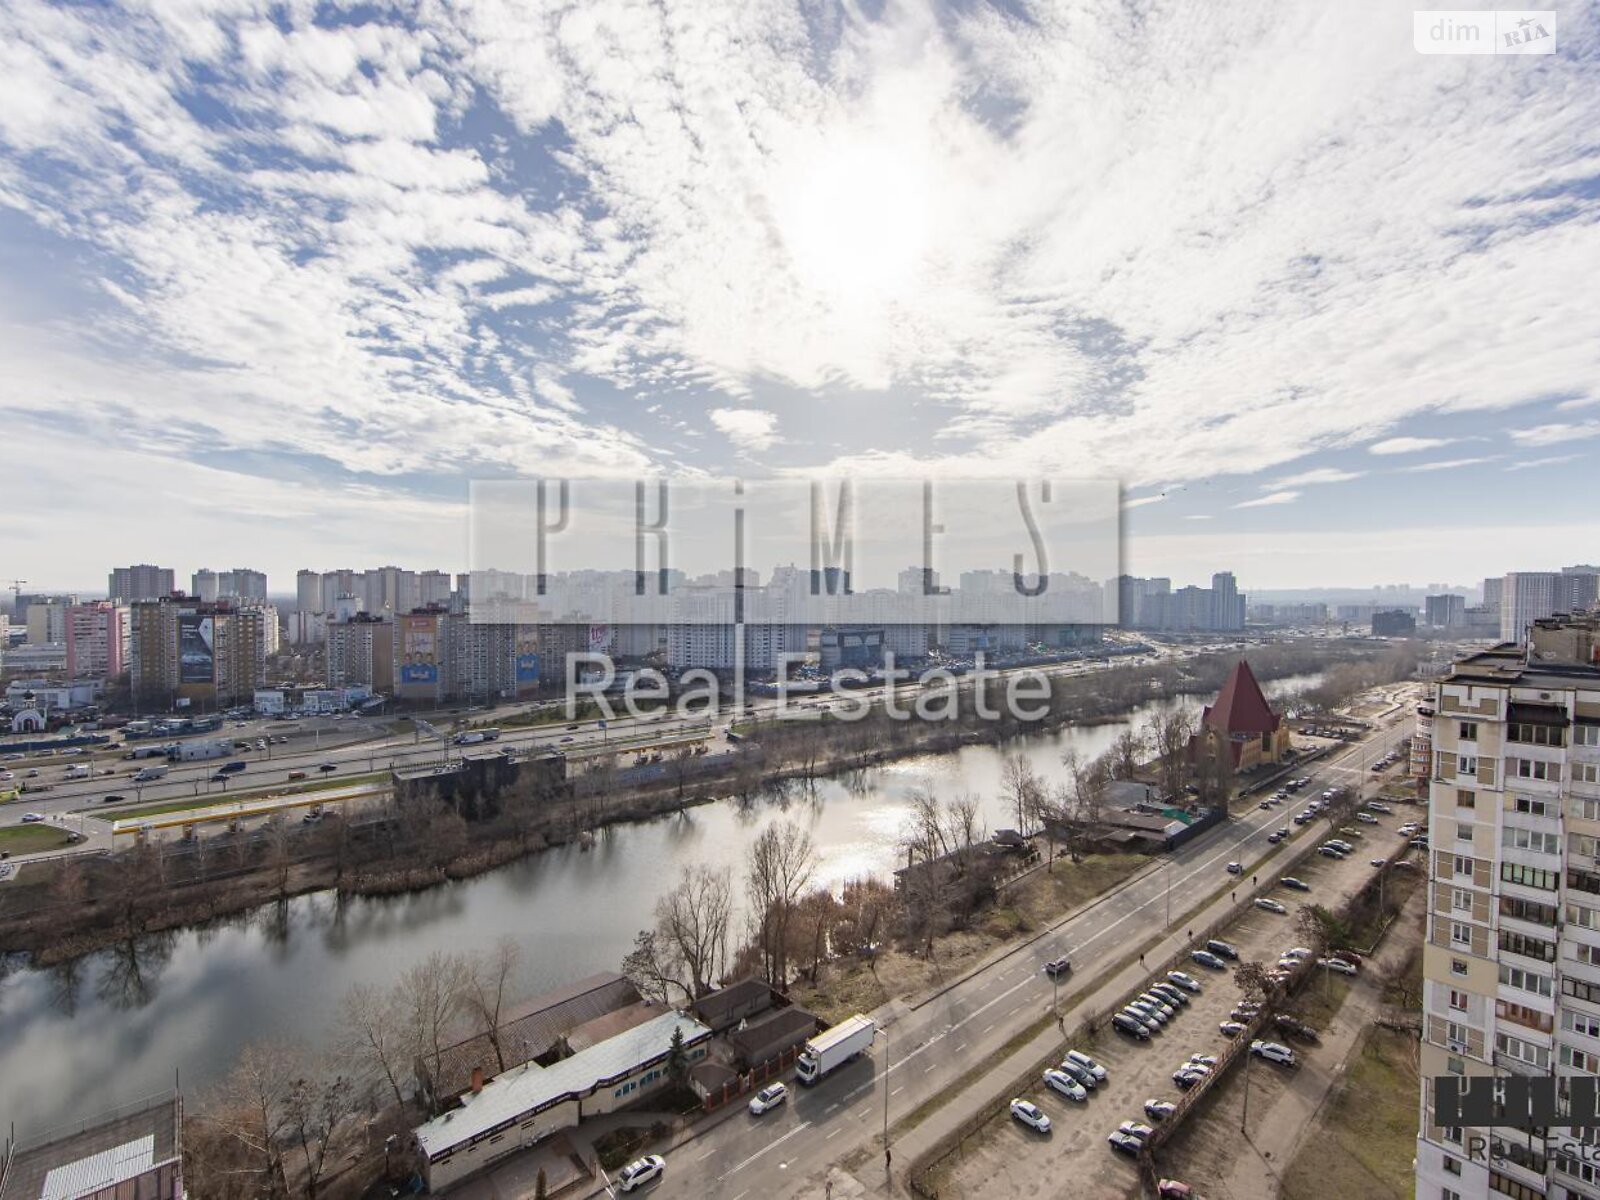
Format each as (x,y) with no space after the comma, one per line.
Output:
(1243,717)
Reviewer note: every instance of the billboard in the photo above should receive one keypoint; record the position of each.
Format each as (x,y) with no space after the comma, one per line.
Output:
(197,659)
(527,668)
(599,639)
(527,661)
(419,656)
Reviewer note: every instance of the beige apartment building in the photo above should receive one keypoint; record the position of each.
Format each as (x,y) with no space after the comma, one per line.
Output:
(1512,961)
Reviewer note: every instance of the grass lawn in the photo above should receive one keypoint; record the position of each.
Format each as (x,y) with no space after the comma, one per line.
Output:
(30,839)
(1365,1143)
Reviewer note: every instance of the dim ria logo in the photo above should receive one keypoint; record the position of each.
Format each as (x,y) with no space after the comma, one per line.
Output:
(1518,1101)
(1484,31)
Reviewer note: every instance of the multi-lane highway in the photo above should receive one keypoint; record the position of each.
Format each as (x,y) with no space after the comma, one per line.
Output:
(941,1045)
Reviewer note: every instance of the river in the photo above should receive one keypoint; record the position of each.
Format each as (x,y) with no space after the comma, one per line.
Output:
(119,1025)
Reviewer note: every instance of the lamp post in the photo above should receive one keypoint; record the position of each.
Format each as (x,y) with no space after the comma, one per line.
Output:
(888,1157)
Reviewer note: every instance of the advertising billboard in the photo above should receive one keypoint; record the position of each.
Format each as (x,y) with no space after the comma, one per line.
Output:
(419,661)
(197,659)
(599,639)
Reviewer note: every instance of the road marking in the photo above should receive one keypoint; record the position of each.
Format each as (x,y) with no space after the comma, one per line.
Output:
(835,1133)
(930,1067)
(831,1108)
(773,1145)
(898,1090)
(988,1027)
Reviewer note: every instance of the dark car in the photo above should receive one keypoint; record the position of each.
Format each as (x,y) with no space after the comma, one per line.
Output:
(1078,1074)
(1123,1023)
(1222,949)
(1186,1079)
(1057,967)
(113,799)
(326,767)
(1207,959)
(1299,885)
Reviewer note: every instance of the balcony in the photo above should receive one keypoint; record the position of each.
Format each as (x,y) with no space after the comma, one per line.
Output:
(1515,1066)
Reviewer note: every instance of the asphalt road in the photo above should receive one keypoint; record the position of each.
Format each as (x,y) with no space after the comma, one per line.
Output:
(940,1045)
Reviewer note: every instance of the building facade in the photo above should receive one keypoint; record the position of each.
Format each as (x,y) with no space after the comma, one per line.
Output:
(97,638)
(360,652)
(1525,597)
(1446,611)
(1511,963)
(128,585)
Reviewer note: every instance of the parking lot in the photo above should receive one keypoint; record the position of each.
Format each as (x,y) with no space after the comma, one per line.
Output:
(1010,1160)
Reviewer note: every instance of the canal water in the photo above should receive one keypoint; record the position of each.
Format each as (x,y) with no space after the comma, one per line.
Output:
(122,1024)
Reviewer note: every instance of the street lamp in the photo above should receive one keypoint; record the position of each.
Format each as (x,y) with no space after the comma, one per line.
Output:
(888,1156)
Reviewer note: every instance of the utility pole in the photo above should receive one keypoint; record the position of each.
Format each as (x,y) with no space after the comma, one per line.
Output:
(888,1157)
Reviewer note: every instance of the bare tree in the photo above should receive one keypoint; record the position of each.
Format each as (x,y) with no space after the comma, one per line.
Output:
(1081,799)
(248,1110)
(1170,738)
(429,995)
(315,1110)
(486,981)
(652,968)
(781,863)
(814,918)
(372,1034)
(693,921)
(1251,978)
(1024,789)
(1126,754)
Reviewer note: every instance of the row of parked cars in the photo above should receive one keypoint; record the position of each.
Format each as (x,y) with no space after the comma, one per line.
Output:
(1150,1011)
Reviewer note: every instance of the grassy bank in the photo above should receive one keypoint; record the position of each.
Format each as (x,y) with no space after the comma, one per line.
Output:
(31,839)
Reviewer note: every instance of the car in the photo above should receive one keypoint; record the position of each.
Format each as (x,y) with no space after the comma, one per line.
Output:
(1295,885)
(1331,852)
(1286,965)
(1195,1068)
(768,1098)
(1269,905)
(33,772)
(1235,868)
(1338,964)
(1283,832)
(1058,967)
(312,817)
(641,1171)
(1131,1026)
(1223,949)
(1244,1012)
(1136,1129)
(220,777)
(1420,843)
(1231,1029)
(1265,804)
(1275,1052)
(1186,1079)
(32,818)
(1378,806)
(1174,1189)
(8,774)
(114,798)
(1150,1015)
(1274,838)
(1126,1143)
(1297,952)
(1079,1059)
(1278,975)
(1030,1115)
(1079,1075)
(1380,863)
(1204,1060)
(1170,993)
(1403,865)
(1303,819)
(1329,794)
(1340,844)
(1296,1027)
(1187,982)
(568,738)
(1160,1003)
(1069,1087)
(1207,959)
(1366,818)
(239,724)
(1159,1110)
(326,767)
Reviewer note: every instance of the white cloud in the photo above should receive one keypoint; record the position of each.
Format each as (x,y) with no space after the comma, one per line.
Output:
(1551,460)
(1318,475)
(1449,464)
(1275,498)
(750,429)
(1407,445)
(1555,433)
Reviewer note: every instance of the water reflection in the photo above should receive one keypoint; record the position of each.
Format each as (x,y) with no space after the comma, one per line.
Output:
(116,1026)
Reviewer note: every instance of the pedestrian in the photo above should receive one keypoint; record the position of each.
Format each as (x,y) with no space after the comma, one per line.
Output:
(1253,879)
(888,1158)
(1233,896)
(1141,960)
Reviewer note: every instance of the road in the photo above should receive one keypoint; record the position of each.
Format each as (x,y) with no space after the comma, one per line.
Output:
(937,1047)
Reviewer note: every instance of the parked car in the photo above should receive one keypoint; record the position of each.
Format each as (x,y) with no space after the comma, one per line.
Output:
(1136,1129)
(1270,905)
(1081,1060)
(1078,1075)
(1186,1079)
(1187,982)
(1349,956)
(1030,1115)
(1069,1087)
(1150,1015)
(1337,964)
(1205,1060)
(1366,818)
(1174,1189)
(1231,1029)
(1295,1027)
(1159,1110)
(1222,949)
(1297,952)
(32,818)
(1235,868)
(1171,993)
(768,1098)
(641,1171)
(1267,804)
(1131,1026)
(1160,1003)
(1207,959)
(1331,852)
(1275,1052)
(1126,1143)
(1057,967)
(1293,884)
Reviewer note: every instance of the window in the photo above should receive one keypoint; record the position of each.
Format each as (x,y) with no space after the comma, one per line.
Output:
(1466,799)
(1452,1166)
(1460,933)
(1583,881)
(1586,772)
(1461,899)
(1466,764)
(1508,1186)
(1536,735)
(1467,731)
(1580,843)
(1528,910)
(1514,838)
(1463,865)
(1580,1022)
(1458,1000)
(1464,830)
(1530,806)
(1528,947)
(1458,966)
(1533,877)
(1455,1065)
(1528,768)
(1451,1133)
(1586,735)
(1580,1060)
(1526,981)
(1586,954)
(1456,1033)
(1523,1051)
(1583,917)
(1579,990)
(1446,1193)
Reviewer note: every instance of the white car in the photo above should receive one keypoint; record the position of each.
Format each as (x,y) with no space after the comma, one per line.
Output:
(641,1171)
(1030,1115)
(1065,1084)
(1204,1060)
(768,1098)
(1270,905)
(1273,1052)
(1366,818)
(1079,1059)
(1337,964)
(1187,982)
(1297,952)
(32,818)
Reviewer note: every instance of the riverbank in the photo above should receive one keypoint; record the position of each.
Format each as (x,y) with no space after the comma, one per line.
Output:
(67,909)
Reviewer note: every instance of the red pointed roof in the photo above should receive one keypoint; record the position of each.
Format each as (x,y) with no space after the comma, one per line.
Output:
(1241,707)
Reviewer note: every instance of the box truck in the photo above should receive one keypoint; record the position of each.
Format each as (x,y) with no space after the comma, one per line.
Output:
(148,774)
(835,1047)
(205,748)
(80,771)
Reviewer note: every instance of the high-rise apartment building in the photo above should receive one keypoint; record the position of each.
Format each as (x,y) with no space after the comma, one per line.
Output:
(1511,964)
(308,592)
(360,652)
(1525,597)
(47,623)
(1578,589)
(203,585)
(206,654)
(1447,611)
(129,585)
(1491,592)
(97,637)
(242,583)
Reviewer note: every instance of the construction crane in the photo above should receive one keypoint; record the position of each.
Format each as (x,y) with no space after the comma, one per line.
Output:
(16,594)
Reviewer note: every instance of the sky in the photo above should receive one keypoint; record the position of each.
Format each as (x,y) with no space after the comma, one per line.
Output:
(279,282)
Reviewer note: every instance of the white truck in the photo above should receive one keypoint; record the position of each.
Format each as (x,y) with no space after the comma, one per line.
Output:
(148,774)
(834,1047)
(78,771)
(204,748)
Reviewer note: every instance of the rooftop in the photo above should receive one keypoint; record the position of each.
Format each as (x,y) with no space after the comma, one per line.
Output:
(1241,706)
(80,1159)
(529,1088)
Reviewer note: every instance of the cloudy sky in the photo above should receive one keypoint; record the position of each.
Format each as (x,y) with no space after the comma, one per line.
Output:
(277,281)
